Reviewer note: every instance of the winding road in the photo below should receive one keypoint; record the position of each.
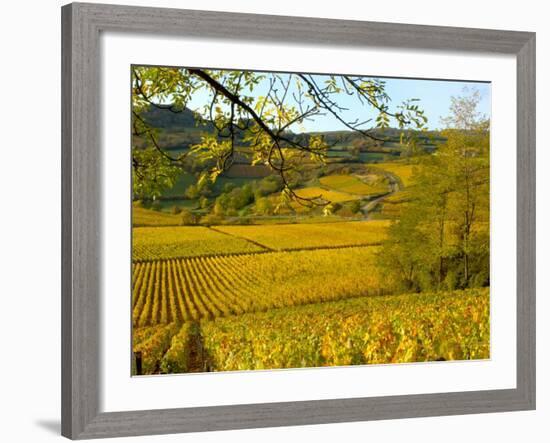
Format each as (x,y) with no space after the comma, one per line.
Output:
(395,186)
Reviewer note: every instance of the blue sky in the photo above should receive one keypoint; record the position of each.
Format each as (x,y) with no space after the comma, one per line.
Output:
(434,95)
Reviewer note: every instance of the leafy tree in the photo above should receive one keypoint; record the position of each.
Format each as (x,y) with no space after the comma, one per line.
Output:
(441,240)
(268,185)
(264,206)
(240,197)
(355,206)
(228,187)
(467,151)
(211,219)
(468,155)
(192,192)
(463,111)
(188,218)
(204,202)
(260,110)
(221,204)
(405,254)
(152,173)
(331,208)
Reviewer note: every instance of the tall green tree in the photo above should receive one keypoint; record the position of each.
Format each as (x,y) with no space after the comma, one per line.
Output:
(441,240)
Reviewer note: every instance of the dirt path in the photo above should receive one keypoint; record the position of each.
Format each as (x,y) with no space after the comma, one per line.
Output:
(213,228)
(395,186)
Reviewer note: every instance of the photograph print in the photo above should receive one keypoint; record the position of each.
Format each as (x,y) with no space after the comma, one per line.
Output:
(297,220)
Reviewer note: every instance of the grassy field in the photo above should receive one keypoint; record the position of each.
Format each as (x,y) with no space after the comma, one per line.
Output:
(182,290)
(148,217)
(399,197)
(185,241)
(353,185)
(311,235)
(373,157)
(330,195)
(403,171)
(365,330)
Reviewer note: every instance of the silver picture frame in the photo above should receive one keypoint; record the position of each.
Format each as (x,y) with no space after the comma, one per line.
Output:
(82,24)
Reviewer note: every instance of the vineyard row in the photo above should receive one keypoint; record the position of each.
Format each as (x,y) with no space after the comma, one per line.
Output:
(265,251)
(190,289)
(366,330)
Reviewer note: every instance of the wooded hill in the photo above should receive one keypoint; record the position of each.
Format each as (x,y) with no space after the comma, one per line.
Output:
(180,130)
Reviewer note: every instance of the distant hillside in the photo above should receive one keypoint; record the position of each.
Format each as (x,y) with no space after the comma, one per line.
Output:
(172,121)
(178,130)
(388,134)
(182,129)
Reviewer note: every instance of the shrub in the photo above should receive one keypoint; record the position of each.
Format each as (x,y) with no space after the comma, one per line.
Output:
(355,206)
(188,218)
(211,219)
(345,211)
(269,185)
(228,187)
(204,202)
(264,206)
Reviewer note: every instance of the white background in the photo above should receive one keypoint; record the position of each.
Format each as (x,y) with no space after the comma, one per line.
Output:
(30,240)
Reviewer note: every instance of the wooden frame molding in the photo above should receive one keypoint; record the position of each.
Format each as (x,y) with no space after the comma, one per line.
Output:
(81,233)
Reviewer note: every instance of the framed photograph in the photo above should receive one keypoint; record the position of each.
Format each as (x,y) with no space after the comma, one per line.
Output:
(274,221)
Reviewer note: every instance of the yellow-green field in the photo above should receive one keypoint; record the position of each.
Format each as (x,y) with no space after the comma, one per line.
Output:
(366,330)
(148,217)
(403,171)
(326,194)
(393,205)
(311,235)
(389,329)
(185,241)
(399,197)
(353,185)
(240,297)
(193,241)
(182,290)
